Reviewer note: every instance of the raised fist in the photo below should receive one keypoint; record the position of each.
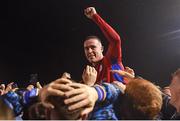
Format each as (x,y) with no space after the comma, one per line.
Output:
(89,12)
(89,75)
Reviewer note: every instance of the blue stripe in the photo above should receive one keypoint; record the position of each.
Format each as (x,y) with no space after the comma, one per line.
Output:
(116,66)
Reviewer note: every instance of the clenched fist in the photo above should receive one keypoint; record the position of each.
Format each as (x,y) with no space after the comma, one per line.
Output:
(89,12)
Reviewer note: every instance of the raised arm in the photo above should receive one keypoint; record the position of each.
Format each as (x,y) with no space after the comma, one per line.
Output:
(114,48)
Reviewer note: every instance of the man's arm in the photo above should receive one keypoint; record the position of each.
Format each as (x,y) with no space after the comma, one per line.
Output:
(114,48)
(83,96)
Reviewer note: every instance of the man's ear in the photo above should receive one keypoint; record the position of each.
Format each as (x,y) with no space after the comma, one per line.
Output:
(102,48)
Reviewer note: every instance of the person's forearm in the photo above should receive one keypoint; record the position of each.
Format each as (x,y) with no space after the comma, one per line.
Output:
(107,30)
(107,92)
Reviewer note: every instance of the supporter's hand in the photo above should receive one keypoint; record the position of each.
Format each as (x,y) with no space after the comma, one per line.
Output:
(30,87)
(55,88)
(2,89)
(130,70)
(66,75)
(89,12)
(123,73)
(89,75)
(38,85)
(82,96)
(120,85)
(10,87)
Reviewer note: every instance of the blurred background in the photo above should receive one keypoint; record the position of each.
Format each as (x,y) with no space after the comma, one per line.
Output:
(46,37)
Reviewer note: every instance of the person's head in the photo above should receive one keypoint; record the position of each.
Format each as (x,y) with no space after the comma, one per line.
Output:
(61,112)
(175,82)
(93,49)
(176,78)
(37,111)
(142,100)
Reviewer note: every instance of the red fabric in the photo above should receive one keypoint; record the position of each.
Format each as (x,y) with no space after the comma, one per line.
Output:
(113,52)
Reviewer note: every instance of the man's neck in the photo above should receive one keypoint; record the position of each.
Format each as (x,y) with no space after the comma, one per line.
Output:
(176,102)
(97,63)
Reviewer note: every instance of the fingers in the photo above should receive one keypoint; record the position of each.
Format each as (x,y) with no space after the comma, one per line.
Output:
(123,73)
(94,70)
(30,87)
(66,75)
(54,92)
(76,85)
(91,70)
(89,75)
(120,72)
(57,89)
(63,81)
(88,69)
(87,11)
(76,98)
(83,74)
(78,105)
(14,89)
(129,70)
(2,86)
(2,89)
(60,87)
(90,11)
(9,87)
(73,92)
(38,85)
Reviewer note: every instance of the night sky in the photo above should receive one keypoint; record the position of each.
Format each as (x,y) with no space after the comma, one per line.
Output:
(46,37)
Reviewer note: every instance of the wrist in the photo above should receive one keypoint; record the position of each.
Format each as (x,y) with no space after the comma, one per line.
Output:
(100,91)
(95,93)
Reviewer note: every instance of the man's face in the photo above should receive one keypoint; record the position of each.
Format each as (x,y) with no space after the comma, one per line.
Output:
(93,50)
(175,84)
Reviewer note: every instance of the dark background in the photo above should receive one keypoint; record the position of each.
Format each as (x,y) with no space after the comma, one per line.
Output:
(45,37)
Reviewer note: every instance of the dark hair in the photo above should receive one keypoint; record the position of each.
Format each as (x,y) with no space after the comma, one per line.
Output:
(62,109)
(37,112)
(93,37)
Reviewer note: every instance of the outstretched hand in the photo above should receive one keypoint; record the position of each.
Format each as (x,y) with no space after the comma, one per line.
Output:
(127,73)
(55,88)
(82,96)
